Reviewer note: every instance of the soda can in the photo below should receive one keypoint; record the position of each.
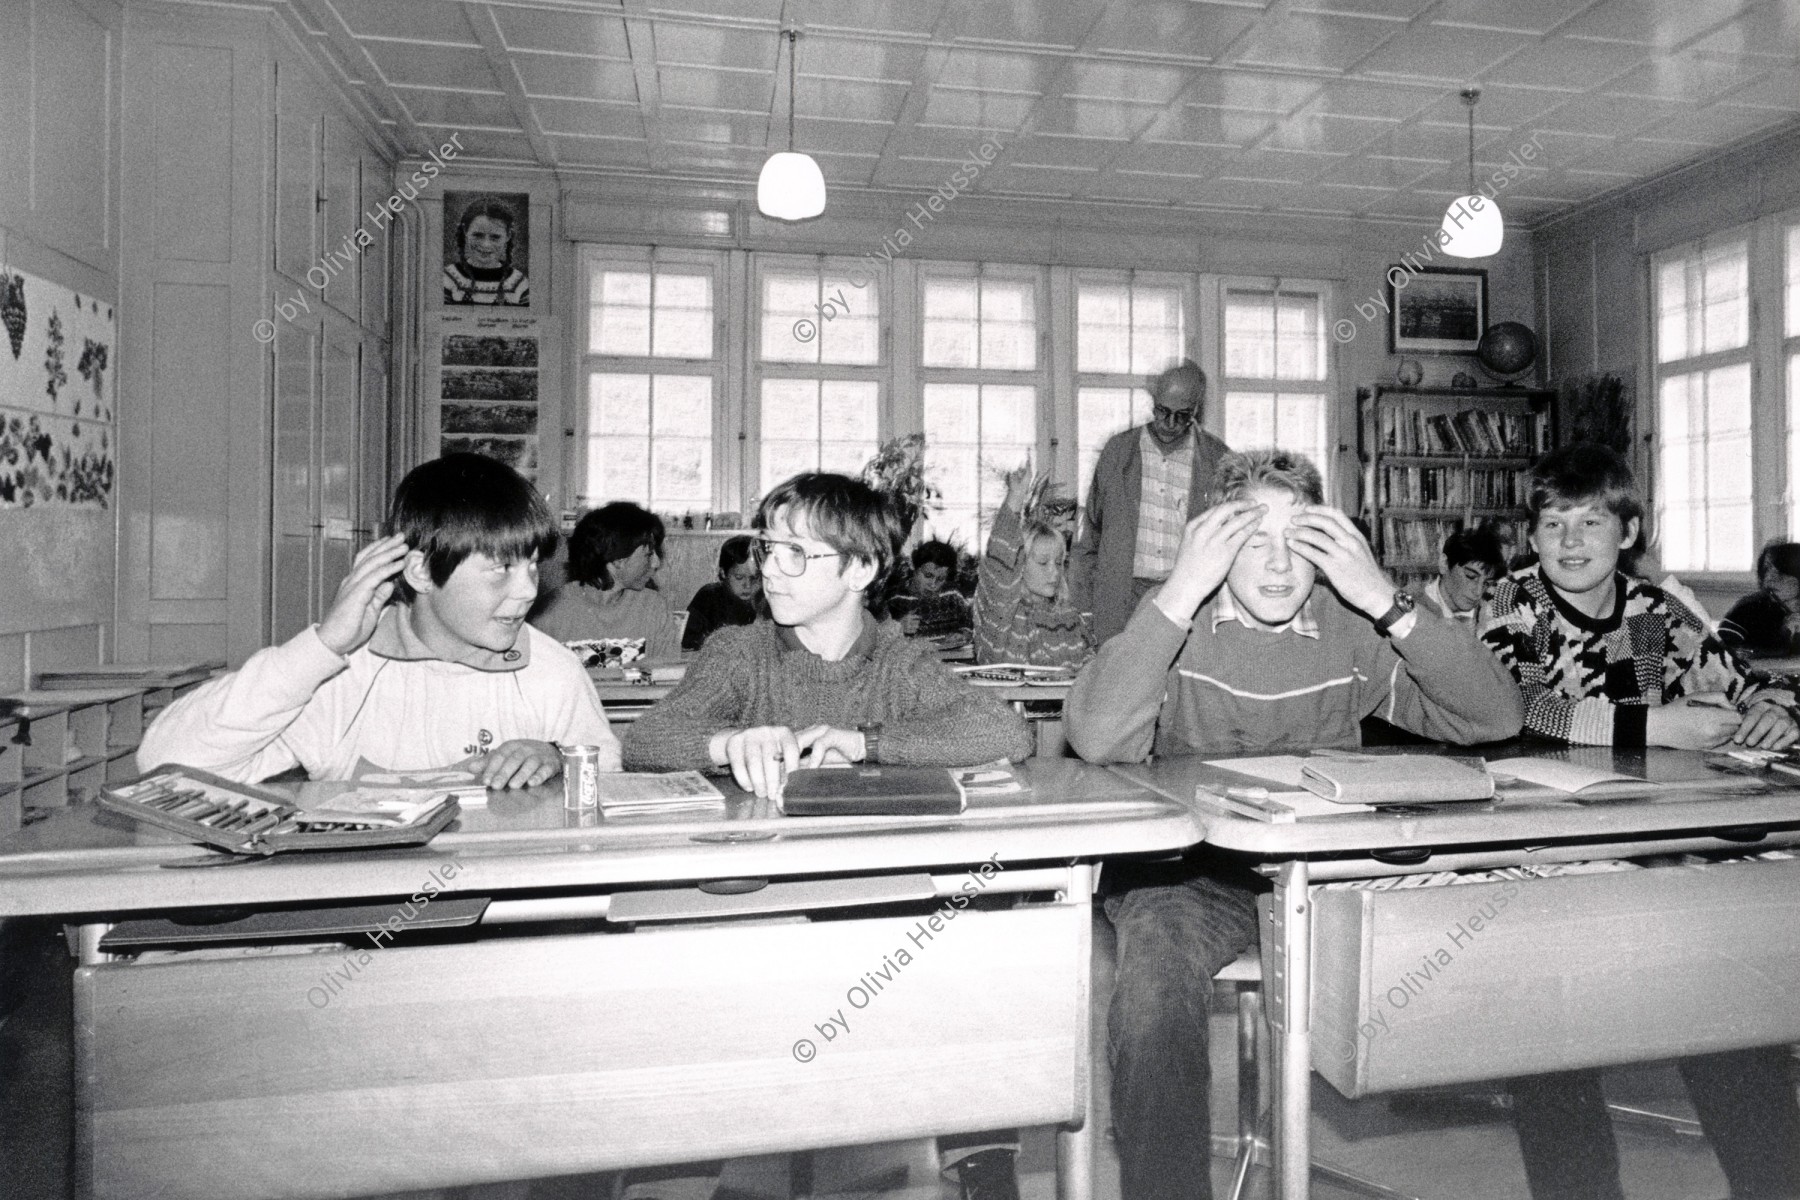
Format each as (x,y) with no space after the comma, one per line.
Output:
(581,777)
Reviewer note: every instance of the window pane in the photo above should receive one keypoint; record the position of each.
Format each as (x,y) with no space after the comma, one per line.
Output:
(951,324)
(1291,421)
(619,321)
(1702,302)
(1008,325)
(1249,420)
(1100,413)
(1792,307)
(1103,329)
(790,409)
(1704,483)
(1250,335)
(1299,338)
(618,469)
(975,434)
(683,318)
(1793,445)
(681,473)
(682,406)
(1671,312)
(1271,335)
(809,425)
(1726,316)
(1156,328)
(618,404)
(790,316)
(850,322)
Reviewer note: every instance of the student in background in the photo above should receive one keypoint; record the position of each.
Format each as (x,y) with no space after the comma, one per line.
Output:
(1022,609)
(1585,641)
(613,556)
(1471,560)
(448,672)
(1768,619)
(1244,649)
(735,598)
(824,681)
(930,606)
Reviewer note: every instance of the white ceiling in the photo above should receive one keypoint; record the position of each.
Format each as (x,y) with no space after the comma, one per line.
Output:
(1302,106)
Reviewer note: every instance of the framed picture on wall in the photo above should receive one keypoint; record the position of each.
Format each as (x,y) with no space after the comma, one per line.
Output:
(1437,311)
(487,248)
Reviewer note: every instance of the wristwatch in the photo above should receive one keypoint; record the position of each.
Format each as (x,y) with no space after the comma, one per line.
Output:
(1403,604)
(871,741)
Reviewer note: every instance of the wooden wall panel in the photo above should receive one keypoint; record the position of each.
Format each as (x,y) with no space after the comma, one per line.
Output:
(343,200)
(193,153)
(296,176)
(73,141)
(190,395)
(15,107)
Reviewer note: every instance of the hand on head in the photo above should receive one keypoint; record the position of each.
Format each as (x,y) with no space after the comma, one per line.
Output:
(1209,545)
(1325,537)
(351,619)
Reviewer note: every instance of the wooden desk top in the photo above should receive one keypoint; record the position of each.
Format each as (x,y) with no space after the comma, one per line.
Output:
(1694,797)
(82,859)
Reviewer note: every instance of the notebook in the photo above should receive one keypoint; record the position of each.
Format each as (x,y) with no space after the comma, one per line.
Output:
(871,791)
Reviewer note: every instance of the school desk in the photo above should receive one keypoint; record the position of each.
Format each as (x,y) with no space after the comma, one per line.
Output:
(597,995)
(1386,990)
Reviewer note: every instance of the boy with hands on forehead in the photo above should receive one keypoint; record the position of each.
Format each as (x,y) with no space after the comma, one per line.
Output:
(423,661)
(1276,631)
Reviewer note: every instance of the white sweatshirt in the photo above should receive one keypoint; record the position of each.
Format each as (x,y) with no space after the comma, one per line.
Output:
(300,703)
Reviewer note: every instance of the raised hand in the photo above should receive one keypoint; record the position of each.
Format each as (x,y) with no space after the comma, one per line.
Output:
(353,614)
(1209,545)
(1326,538)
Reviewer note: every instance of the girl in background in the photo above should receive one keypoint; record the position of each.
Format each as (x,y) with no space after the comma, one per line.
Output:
(613,556)
(1768,618)
(1022,609)
(735,599)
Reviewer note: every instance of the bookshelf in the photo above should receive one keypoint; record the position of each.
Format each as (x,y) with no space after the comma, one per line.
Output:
(1435,460)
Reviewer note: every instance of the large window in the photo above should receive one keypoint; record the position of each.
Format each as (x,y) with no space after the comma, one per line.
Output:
(819,368)
(652,381)
(1128,327)
(1703,387)
(982,379)
(1790,354)
(1277,385)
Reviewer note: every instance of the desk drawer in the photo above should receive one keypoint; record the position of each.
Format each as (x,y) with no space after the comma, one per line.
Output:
(516,1057)
(1481,981)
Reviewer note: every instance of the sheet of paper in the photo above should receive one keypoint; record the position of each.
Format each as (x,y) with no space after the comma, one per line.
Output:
(1276,768)
(1563,776)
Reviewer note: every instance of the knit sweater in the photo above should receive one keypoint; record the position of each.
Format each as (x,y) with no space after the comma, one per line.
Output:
(300,704)
(1229,689)
(761,674)
(1591,681)
(574,612)
(1013,625)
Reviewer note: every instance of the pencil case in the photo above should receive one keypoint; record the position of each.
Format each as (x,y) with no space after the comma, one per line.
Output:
(1394,779)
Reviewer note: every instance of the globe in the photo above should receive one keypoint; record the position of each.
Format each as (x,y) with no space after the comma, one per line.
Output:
(1507,350)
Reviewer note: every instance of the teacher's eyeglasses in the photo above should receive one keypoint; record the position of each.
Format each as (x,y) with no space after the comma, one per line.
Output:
(790,558)
(1181,418)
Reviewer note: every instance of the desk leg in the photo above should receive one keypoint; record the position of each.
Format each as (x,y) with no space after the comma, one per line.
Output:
(1288,992)
(1075,1143)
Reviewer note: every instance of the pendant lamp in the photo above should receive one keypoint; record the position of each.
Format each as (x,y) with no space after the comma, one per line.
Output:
(1472,226)
(791,186)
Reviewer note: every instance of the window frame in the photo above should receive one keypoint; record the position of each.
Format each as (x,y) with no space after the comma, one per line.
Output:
(1038,376)
(881,373)
(1326,292)
(1650,406)
(588,361)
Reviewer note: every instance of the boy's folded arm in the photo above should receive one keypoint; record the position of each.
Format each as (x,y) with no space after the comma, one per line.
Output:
(952,724)
(1112,709)
(1448,686)
(675,733)
(233,725)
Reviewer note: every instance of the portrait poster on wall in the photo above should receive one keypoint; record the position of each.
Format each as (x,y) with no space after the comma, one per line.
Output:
(487,248)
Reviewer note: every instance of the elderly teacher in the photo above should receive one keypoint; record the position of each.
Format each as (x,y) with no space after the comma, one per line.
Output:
(1150,479)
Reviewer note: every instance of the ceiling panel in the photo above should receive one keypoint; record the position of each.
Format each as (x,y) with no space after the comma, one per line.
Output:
(593,34)
(1306,106)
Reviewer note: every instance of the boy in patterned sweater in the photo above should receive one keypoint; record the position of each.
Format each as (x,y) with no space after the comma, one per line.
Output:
(1607,659)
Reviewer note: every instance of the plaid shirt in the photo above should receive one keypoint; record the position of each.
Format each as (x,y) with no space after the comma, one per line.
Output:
(1162,506)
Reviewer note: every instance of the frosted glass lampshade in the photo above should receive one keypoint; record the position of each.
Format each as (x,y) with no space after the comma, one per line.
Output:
(1472,227)
(790,187)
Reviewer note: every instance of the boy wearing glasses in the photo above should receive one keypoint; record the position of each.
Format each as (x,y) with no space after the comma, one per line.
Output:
(1148,482)
(823,679)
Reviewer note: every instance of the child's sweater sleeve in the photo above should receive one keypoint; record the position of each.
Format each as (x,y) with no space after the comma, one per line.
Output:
(254,722)
(1695,661)
(1440,683)
(930,718)
(1525,642)
(1114,705)
(675,733)
(998,585)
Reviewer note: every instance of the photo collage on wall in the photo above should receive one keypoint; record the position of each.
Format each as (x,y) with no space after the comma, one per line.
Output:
(57,395)
(488,397)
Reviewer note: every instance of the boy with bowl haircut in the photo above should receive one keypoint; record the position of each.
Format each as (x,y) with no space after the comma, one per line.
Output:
(1245,650)
(823,678)
(423,661)
(1605,658)
(1471,560)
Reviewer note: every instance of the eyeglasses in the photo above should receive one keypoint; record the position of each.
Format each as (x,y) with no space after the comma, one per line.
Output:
(1174,416)
(790,558)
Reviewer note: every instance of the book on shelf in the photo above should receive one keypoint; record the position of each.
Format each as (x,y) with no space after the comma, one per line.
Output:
(1474,432)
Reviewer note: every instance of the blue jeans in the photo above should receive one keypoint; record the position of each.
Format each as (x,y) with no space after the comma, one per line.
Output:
(1744,1099)
(1178,925)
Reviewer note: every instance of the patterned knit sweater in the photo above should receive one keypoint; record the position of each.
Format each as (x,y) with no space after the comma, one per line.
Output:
(1013,625)
(1590,681)
(762,675)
